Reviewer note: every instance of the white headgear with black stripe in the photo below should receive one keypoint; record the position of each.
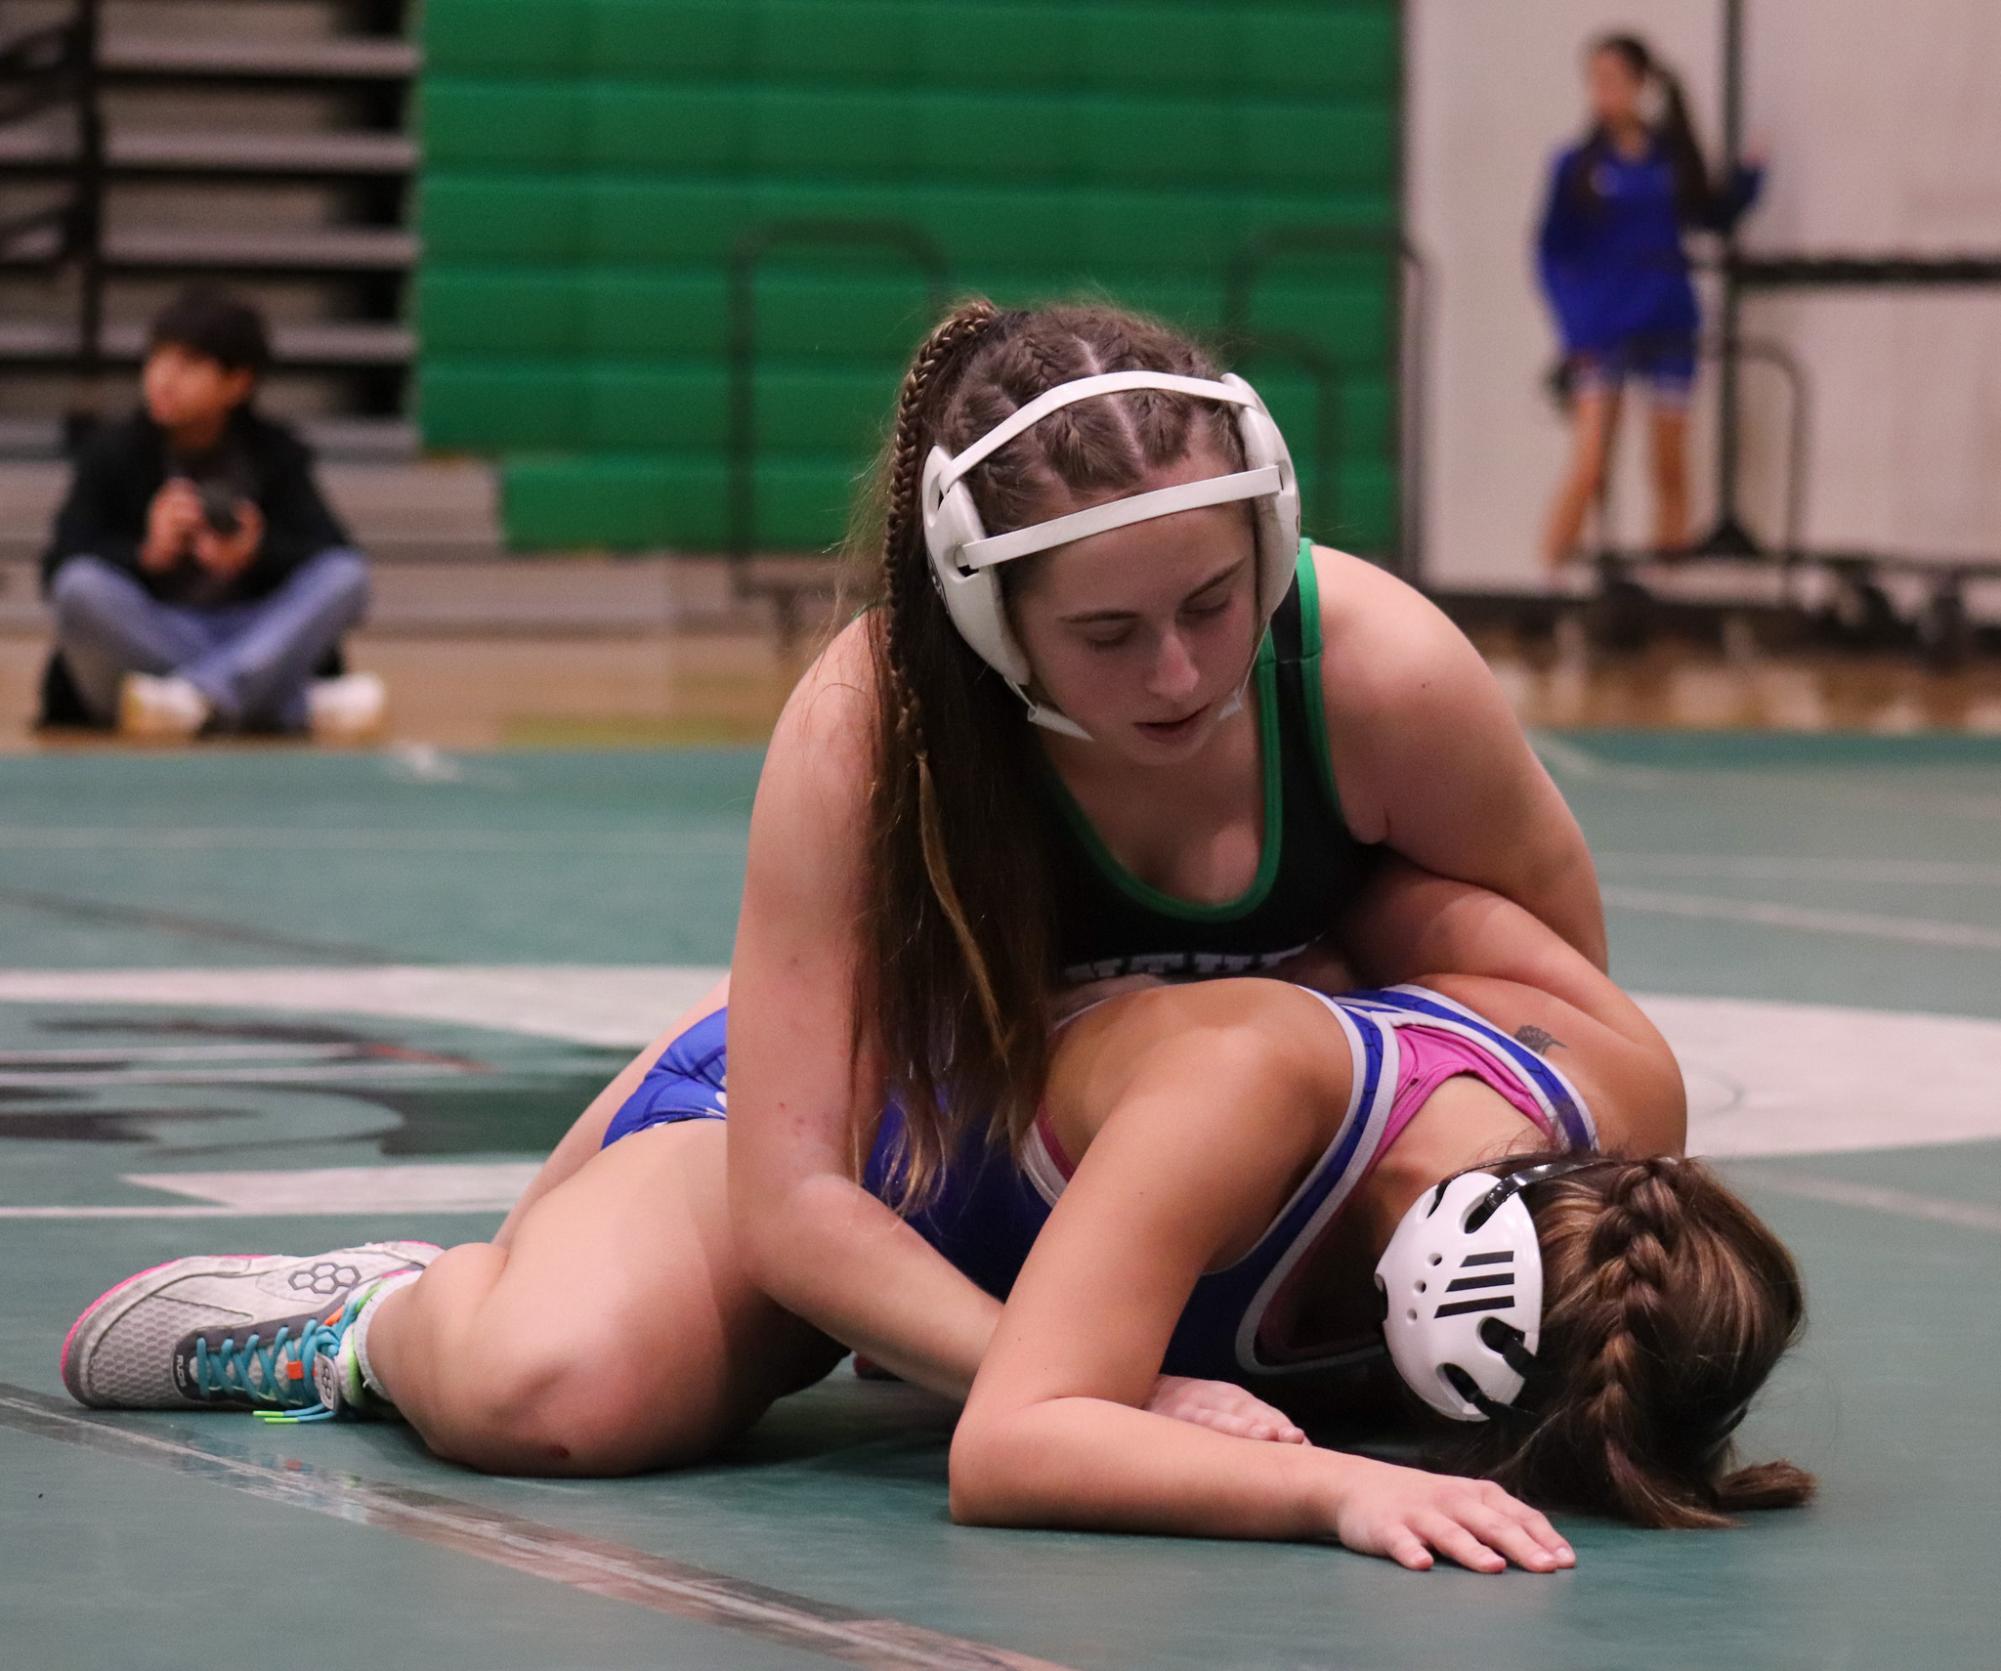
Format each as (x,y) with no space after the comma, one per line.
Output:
(1462,1290)
(965,558)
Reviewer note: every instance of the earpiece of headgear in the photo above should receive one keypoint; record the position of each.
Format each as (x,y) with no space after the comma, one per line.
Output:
(1462,1290)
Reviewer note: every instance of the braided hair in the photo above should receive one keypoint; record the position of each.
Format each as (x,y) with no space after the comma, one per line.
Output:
(1666,1303)
(958,948)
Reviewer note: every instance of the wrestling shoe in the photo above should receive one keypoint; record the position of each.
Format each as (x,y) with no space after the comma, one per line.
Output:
(231,1332)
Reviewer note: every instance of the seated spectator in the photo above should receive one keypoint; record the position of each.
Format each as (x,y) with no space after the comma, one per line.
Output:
(199,581)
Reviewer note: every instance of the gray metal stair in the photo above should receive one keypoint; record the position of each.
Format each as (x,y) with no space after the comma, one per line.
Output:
(377,440)
(354,439)
(262,144)
(328,156)
(341,249)
(335,343)
(141,57)
(173,249)
(29,438)
(431,511)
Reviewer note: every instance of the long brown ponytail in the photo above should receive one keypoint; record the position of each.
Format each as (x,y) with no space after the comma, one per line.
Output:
(1666,1303)
(1696,196)
(958,949)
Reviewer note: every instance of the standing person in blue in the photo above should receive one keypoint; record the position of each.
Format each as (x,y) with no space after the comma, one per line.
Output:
(199,581)
(1616,275)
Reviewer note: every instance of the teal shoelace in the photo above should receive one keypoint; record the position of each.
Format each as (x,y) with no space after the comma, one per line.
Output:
(283,1366)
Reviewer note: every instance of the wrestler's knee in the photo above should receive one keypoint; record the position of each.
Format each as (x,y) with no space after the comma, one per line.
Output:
(583,1402)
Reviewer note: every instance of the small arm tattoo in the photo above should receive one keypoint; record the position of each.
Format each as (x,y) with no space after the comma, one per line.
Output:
(1538,1040)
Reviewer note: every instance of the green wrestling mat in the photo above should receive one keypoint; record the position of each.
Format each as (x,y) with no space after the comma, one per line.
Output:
(283,1001)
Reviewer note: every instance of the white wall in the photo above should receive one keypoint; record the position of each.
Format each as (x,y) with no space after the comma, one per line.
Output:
(1883,124)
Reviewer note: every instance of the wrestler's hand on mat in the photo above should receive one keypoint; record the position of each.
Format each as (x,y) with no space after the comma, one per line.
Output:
(1226,1408)
(1405,1513)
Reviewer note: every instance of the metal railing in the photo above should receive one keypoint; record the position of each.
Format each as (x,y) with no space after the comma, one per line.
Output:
(1789,552)
(1321,366)
(45,69)
(1799,431)
(919,252)
(897,238)
(1405,370)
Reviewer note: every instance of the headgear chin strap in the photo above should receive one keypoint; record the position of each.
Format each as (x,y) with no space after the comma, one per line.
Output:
(965,559)
(1462,1290)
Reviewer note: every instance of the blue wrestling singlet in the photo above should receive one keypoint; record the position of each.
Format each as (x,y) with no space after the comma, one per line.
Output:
(988,1210)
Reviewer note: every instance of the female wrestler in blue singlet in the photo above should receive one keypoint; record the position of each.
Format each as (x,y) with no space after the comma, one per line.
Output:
(1217,1168)
(1086,529)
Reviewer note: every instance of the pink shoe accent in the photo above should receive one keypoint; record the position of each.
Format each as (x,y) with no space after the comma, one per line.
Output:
(62,1361)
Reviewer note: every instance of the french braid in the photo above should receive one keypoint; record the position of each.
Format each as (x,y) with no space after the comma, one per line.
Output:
(909,446)
(1665,1305)
(958,956)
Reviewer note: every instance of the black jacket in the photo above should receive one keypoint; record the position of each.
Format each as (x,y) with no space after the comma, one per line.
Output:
(125,464)
(120,470)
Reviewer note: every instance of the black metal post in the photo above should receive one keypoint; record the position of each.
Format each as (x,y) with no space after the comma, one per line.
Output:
(1325,500)
(89,203)
(1405,360)
(1729,537)
(1413,410)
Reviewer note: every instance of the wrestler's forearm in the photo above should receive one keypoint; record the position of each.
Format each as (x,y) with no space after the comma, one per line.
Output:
(1411,924)
(838,1257)
(1564,894)
(1096,1465)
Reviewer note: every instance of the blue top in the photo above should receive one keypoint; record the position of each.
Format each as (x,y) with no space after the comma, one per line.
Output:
(990,1207)
(1611,259)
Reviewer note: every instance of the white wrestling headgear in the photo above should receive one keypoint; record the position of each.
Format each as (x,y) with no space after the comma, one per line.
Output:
(1462,1290)
(964,558)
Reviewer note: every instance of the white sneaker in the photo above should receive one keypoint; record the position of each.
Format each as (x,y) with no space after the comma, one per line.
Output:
(234,1331)
(169,707)
(347,709)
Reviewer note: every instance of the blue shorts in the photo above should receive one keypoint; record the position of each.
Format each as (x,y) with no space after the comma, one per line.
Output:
(1664,364)
(688,1082)
(984,1217)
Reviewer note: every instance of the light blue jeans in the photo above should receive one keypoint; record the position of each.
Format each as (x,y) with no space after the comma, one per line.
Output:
(253,661)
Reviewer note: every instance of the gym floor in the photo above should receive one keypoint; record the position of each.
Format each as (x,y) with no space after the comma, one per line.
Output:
(677,689)
(268,999)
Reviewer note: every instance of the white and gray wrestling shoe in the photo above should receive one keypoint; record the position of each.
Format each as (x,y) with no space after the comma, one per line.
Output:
(232,1332)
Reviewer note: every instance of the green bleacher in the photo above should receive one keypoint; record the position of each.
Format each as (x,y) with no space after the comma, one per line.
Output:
(591,164)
